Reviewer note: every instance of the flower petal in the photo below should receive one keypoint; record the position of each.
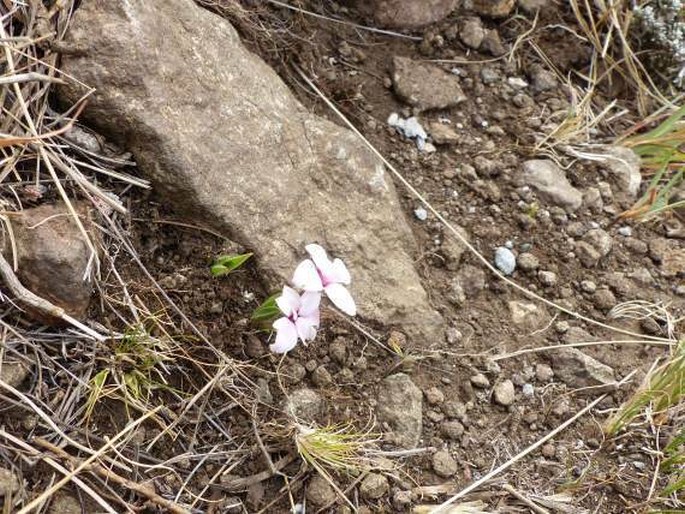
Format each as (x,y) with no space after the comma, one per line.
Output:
(341,298)
(338,273)
(306,277)
(289,301)
(320,258)
(306,328)
(286,336)
(309,303)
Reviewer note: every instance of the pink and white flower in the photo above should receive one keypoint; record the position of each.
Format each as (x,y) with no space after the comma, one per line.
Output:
(330,276)
(300,320)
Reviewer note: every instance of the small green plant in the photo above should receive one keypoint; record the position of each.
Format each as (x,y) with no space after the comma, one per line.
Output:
(133,370)
(264,315)
(225,264)
(661,154)
(663,389)
(674,464)
(339,448)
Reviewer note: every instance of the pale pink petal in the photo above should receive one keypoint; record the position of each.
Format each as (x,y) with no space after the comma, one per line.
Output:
(338,273)
(306,276)
(289,301)
(320,258)
(341,298)
(306,328)
(286,336)
(309,303)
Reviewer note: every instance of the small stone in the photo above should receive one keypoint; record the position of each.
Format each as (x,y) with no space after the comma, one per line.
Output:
(542,79)
(504,393)
(547,278)
(578,370)
(544,373)
(294,373)
(424,85)
(604,299)
(517,82)
(14,373)
(452,430)
(472,32)
(434,396)
(399,404)
(528,390)
(551,184)
(588,286)
(505,260)
(444,464)
(650,326)
(531,6)
(527,262)
(454,409)
(321,377)
(453,335)
(480,381)
(493,8)
(492,44)
(374,486)
(452,250)
(528,316)
(62,503)
(549,451)
(625,231)
(587,254)
(623,165)
(421,214)
(636,245)
(9,483)
(254,347)
(304,404)
(600,240)
(592,200)
(320,492)
(338,350)
(442,134)
(472,280)
(401,500)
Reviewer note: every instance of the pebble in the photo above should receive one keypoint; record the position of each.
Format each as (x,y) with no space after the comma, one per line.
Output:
(444,464)
(528,390)
(9,483)
(517,82)
(544,373)
(401,500)
(505,260)
(527,262)
(588,286)
(547,278)
(452,430)
(319,492)
(480,381)
(504,393)
(625,231)
(604,299)
(549,451)
(421,214)
(321,377)
(434,396)
(374,486)
(338,350)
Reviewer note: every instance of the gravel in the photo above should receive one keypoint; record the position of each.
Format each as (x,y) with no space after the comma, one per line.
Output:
(505,260)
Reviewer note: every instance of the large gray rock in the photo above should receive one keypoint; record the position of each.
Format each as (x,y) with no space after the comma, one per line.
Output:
(551,184)
(409,13)
(400,404)
(53,256)
(222,136)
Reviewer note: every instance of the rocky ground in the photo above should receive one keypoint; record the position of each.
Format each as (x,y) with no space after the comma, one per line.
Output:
(465,109)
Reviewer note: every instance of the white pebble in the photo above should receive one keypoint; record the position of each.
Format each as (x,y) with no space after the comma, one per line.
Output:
(505,261)
(517,82)
(625,231)
(528,390)
(421,213)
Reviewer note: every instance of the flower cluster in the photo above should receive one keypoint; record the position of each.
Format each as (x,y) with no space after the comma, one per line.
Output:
(314,276)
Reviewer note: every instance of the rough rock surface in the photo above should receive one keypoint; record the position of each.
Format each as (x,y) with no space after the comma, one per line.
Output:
(424,85)
(52,256)
(410,13)
(493,8)
(304,404)
(14,373)
(624,170)
(9,483)
(551,184)
(399,405)
(319,491)
(222,137)
(579,370)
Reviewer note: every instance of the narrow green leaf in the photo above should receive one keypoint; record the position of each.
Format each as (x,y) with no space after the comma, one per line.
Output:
(267,311)
(225,264)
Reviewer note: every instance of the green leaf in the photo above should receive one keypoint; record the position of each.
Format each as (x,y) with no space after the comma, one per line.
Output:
(225,264)
(267,311)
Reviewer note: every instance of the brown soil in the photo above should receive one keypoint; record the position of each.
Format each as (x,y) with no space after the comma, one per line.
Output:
(608,476)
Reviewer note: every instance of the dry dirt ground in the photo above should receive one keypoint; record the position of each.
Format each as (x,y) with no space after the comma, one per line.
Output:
(475,183)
